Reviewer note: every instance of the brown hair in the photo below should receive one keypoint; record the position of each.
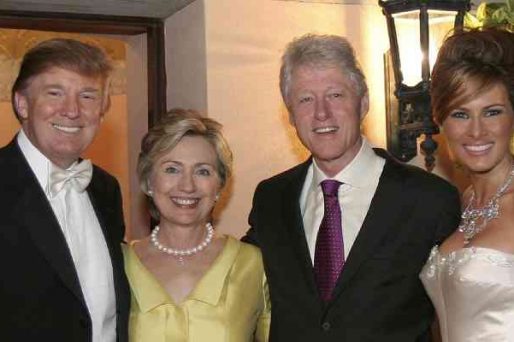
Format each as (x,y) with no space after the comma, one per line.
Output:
(168,132)
(484,57)
(70,54)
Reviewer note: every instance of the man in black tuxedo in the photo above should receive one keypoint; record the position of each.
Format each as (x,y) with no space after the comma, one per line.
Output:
(61,221)
(346,271)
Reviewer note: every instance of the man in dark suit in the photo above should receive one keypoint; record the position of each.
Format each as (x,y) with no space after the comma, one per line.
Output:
(345,234)
(61,219)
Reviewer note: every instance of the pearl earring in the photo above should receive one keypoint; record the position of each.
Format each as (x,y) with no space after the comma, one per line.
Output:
(217,198)
(150,193)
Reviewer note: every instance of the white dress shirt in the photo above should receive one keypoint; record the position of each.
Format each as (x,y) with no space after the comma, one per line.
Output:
(86,244)
(360,180)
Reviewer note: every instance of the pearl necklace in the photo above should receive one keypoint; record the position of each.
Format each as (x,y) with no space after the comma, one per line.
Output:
(474,220)
(181,253)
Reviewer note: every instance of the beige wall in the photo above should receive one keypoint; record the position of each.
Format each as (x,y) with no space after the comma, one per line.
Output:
(186,60)
(243,44)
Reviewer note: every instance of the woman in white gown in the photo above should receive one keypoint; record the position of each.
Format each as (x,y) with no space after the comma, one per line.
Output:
(470,277)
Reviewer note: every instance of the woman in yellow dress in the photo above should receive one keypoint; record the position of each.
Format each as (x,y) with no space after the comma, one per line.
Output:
(189,283)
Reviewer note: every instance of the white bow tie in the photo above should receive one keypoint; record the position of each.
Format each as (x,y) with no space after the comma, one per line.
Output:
(78,177)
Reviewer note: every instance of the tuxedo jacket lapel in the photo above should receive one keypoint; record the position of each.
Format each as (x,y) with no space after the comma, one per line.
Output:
(37,217)
(106,212)
(380,218)
(103,210)
(107,207)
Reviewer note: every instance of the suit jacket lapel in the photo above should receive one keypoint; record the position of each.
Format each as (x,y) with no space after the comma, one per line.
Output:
(379,219)
(293,220)
(36,215)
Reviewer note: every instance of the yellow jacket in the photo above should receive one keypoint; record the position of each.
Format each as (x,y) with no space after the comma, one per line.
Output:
(229,304)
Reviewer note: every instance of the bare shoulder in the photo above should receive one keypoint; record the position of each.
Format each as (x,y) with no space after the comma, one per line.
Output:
(454,242)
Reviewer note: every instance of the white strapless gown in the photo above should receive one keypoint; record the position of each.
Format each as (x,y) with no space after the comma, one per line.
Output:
(473,292)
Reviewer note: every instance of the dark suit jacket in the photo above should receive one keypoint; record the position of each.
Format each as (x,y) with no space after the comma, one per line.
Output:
(378,296)
(40,295)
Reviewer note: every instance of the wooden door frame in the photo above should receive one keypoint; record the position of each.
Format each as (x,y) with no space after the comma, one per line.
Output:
(99,24)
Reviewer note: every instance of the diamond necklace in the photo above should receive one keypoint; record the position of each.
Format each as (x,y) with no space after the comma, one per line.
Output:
(181,253)
(474,220)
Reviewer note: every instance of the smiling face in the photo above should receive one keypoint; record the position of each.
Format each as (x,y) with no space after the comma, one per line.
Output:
(61,112)
(479,131)
(184,182)
(327,112)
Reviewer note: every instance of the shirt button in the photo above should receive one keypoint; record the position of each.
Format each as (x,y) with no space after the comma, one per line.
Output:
(325,326)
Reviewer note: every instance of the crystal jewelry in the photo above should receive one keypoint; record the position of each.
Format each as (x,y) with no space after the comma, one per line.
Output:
(474,220)
(181,253)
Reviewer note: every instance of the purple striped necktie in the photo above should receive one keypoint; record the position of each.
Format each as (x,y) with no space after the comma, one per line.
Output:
(329,252)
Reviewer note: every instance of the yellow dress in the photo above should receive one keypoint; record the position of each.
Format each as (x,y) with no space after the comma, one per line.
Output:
(230,303)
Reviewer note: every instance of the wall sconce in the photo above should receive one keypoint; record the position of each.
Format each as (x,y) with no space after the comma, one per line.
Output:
(416,28)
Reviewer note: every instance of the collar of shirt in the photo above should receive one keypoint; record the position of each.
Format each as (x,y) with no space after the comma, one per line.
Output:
(352,174)
(38,162)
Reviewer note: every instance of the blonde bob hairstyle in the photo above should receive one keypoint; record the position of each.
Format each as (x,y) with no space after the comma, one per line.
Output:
(168,132)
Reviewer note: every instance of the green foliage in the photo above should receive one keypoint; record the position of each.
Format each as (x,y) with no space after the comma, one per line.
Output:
(492,14)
